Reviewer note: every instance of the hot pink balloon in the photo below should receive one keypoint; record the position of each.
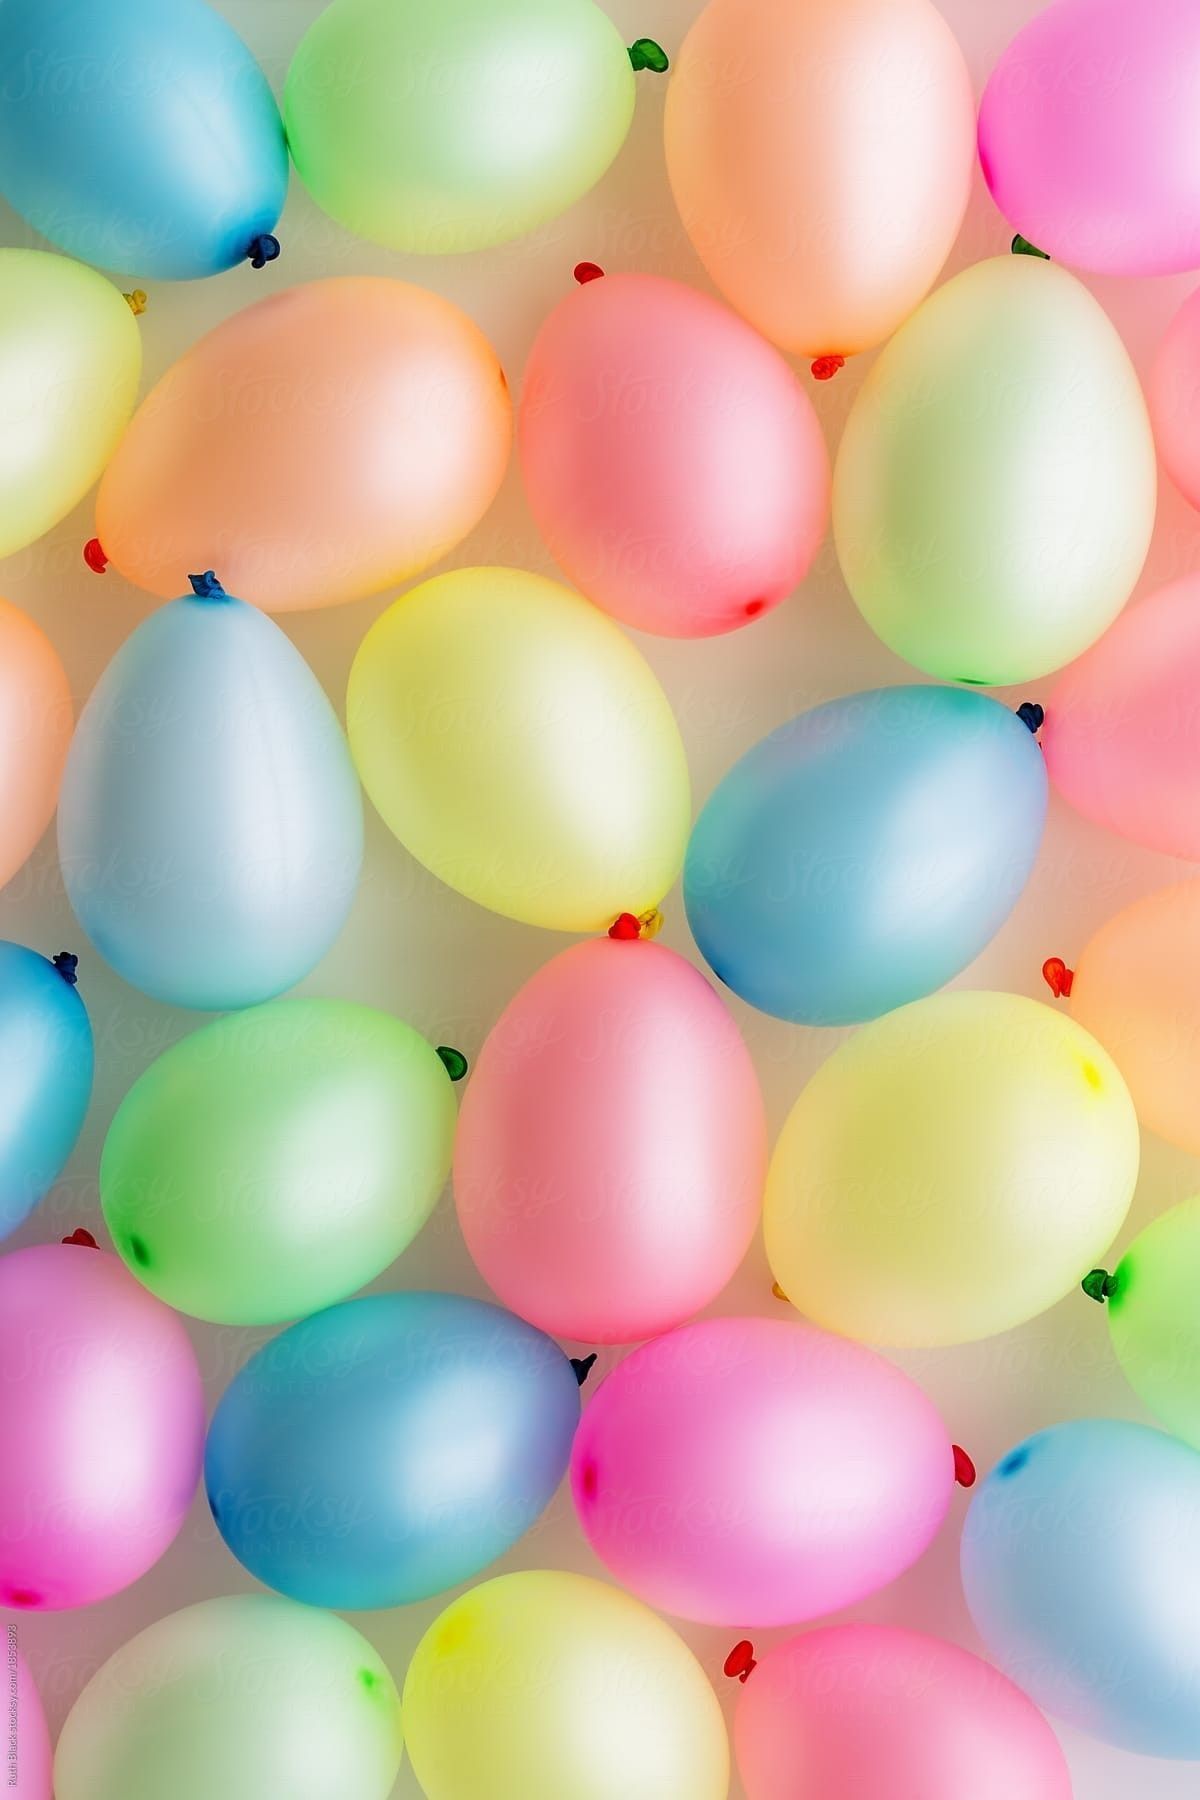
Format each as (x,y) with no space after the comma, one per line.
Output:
(1173,395)
(673,462)
(758,1472)
(28,1758)
(611,1149)
(101,1423)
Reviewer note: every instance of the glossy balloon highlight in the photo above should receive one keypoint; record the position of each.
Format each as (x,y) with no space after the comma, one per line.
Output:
(46,1062)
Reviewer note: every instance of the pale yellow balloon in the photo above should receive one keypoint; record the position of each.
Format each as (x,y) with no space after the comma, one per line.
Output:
(520,747)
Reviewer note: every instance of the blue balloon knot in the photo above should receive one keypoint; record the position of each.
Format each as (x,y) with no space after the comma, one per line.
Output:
(207,587)
(66,964)
(263,249)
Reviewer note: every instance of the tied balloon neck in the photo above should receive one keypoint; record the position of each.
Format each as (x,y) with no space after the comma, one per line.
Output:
(741,1663)
(207,587)
(136,302)
(1031,715)
(1021,246)
(83,1238)
(644,53)
(94,556)
(67,964)
(777,1293)
(263,249)
(628,927)
(964,1468)
(583,1366)
(1099,1285)
(1058,978)
(453,1061)
(824,368)
(588,271)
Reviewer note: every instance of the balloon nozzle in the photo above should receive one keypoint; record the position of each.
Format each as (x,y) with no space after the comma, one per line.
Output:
(1099,1285)
(67,963)
(778,1293)
(1032,715)
(94,556)
(626,927)
(455,1062)
(263,249)
(740,1664)
(1021,246)
(136,302)
(583,1366)
(1058,978)
(587,271)
(964,1469)
(82,1237)
(644,53)
(824,368)
(206,586)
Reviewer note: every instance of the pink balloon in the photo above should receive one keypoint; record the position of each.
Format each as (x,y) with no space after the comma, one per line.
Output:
(758,1472)
(611,1149)
(27,1760)
(672,460)
(855,1712)
(1173,394)
(101,1427)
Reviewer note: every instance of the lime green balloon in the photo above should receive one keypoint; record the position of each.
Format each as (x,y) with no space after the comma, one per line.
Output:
(1154,1317)
(278,1159)
(440,125)
(951,1171)
(549,1686)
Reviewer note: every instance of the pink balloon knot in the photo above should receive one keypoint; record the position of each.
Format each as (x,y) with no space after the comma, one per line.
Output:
(1058,978)
(94,557)
(80,1236)
(740,1663)
(588,271)
(964,1468)
(826,367)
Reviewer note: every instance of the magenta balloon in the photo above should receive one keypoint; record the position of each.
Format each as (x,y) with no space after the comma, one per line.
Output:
(1173,395)
(27,1763)
(101,1427)
(611,1149)
(758,1472)
(673,462)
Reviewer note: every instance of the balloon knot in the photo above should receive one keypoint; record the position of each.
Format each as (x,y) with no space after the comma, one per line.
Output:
(583,1366)
(588,271)
(779,1294)
(66,964)
(455,1062)
(1021,246)
(82,1237)
(826,367)
(206,586)
(964,1468)
(136,302)
(263,249)
(94,557)
(740,1664)
(1058,978)
(644,53)
(628,926)
(1099,1285)
(1032,715)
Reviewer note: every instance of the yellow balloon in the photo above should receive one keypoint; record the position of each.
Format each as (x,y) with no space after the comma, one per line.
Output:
(954,1169)
(549,1686)
(520,747)
(70,362)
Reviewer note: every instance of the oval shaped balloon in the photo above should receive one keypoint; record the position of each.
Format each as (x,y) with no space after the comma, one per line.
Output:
(952,1170)
(865,852)
(521,749)
(1152,1317)
(210,823)
(46,1061)
(994,492)
(28,1764)
(277,1160)
(388,1448)
(102,1416)
(511,1693)
(1171,393)
(35,729)
(239,1697)
(1079,1561)
(139,137)
(594,1216)
(834,1467)
(318,447)
(821,156)
(673,462)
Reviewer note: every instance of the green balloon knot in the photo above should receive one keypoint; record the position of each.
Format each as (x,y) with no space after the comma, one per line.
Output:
(1099,1285)
(455,1062)
(644,53)
(1021,246)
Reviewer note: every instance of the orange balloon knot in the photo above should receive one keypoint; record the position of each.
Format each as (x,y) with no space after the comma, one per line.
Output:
(585,272)
(1058,978)
(740,1664)
(644,53)
(82,1237)
(779,1294)
(66,964)
(628,926)
(207,587)
(826,367)
(263,249)
(136,302)
(94,556)
(964,1468)
(583,1366)
(1099,1285)
(1032,715)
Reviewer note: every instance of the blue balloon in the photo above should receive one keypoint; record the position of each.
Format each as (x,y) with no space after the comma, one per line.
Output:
(389,1447)
(1081,1565)
(210,820)
(865,853)
(45,1076)
(139,134)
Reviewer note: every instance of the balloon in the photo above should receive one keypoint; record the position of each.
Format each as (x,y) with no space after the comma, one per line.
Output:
(389,1447)
(951,1171)
(210,823)
(672,460)
(520,748)
(46,1059)
(35,729)
(1152,1317)
(590,1212)
(239,1698)
(821,155)
(1171,395)
(28,1758)
(318,447)
(70,363)
(102,1421)
(543,1685)
(139,136)
(865,852)
(758,1471)
(278,1159)
(994,492)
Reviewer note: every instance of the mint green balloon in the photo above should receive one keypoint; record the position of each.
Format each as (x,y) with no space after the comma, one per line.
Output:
(278,1159)
(1154,1317)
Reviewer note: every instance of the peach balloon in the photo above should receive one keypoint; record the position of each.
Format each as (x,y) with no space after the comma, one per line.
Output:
(320,446)
(35,729)
(1173,395)
(820,153)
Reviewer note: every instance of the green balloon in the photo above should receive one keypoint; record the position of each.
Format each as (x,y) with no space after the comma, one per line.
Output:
(278,1159)
(1153,1300)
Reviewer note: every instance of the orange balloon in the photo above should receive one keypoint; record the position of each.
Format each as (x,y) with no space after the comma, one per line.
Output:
(35,729)
(325,444)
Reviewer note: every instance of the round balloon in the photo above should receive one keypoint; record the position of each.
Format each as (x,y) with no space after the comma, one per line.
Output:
(46,1060)
(210,823)
(758,1472)
(28,1762)
(317,447)
(1152,1317)
(1171,393)
(540,1685)
(994,492)
(240,1697)
(519,746)
(388,1448)
(865,852)
(35,729)
(951,1171)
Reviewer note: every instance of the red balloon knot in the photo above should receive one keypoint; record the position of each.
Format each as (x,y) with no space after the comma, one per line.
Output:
(826,367)
(587,271)
(964,1468)
(94,557)
(740,1663)
(625,927)
(82,1237)
(1058,978)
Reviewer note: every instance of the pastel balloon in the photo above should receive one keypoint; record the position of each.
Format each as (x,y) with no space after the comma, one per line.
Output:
(35,729)
(210,823)
(239,1697)
(951,1171)
(138,136)
(542,1684)
(520,748)
(102,1417)
(320,446)
(865,852)
(673,463)
(46,1061)
(835,1467)
(1172,392)
(821,155)
(388,1448)
(588,1212)
(994,492)
(70,363)
(27,1765)
(1152,1317)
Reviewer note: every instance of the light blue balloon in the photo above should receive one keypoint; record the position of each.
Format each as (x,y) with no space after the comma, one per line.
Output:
(45,1076)
(1081,1565)
(210,820)
(387,1448)
(140,135)
(866,852)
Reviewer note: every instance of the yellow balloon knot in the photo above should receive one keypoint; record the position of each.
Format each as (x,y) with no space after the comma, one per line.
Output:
(779,1293)
(136,301)
(651,923)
